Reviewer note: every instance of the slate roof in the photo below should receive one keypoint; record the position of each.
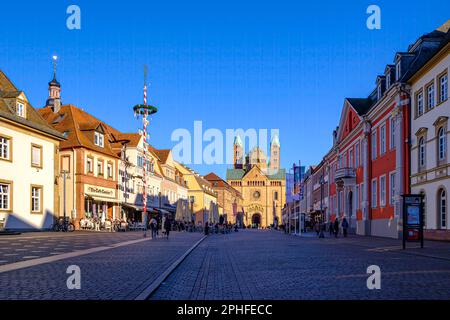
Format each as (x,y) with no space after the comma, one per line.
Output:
(361,105)
(238,174)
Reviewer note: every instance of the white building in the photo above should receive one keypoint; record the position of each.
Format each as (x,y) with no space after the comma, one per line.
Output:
(28,163)
(430,158)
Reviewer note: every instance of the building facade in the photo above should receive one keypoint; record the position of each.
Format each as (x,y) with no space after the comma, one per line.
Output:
(430,143)
(228,198)
(29,166)
(261,182)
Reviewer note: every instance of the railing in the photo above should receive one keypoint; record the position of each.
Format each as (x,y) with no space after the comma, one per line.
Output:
(343,173)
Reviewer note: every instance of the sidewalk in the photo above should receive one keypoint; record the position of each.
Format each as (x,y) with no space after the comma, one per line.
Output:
(118,273)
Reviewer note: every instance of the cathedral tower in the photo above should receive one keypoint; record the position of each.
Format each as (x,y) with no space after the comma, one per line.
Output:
(275,153)
(238,153)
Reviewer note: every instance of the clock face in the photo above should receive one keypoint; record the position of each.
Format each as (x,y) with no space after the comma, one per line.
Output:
(256,194)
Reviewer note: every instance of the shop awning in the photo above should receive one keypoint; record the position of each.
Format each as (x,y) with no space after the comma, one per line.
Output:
(97,198)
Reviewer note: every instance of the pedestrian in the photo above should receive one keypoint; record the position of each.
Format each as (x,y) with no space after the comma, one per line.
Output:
(167,227)
(206,229)
(344,226)
(336,227)
(331,227)
(153,227)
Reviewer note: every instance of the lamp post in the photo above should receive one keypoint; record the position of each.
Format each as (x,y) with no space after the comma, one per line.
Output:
(64,175)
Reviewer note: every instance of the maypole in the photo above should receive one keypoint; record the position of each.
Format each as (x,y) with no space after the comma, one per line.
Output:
(144,110)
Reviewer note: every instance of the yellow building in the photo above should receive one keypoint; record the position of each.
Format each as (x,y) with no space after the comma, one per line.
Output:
(261,182)
(202,197)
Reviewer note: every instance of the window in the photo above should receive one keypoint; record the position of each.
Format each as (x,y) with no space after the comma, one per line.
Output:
(397,71)
(374,193)
(110,170)
(99,139)
(441,144)
(20,109)
(388,80)
(392,188)
(443,88)
(140,161)
(383,139)
(374,145)
(442,199)
(379,91)
(100,168)
(430,97)
(5,196)
(421,152)
(357,155)
(419,104)
(357,197)
(383,191)
(5,148)
(90,165)
(392,137)
(350,158)
(36,199)
(275,195)
(36,156)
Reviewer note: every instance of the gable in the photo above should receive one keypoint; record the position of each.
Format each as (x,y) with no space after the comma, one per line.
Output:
(255,174)
(350,119)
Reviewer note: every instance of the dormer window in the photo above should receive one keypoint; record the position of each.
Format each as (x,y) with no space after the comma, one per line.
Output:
(397,71)
(379,91)
(20,110)
(388,80)
(99,139)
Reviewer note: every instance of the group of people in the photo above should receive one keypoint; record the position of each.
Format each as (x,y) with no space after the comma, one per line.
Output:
(220,228)
(154,224)
(334,227)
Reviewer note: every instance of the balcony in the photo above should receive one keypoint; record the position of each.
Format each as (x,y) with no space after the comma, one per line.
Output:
(345,176)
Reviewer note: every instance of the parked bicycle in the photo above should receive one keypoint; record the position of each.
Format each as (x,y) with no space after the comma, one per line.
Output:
(63,225)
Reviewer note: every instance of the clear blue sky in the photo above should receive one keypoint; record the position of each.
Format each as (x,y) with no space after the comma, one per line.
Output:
(215,61)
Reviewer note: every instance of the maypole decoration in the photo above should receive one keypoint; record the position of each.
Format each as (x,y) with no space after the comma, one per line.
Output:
(144,110)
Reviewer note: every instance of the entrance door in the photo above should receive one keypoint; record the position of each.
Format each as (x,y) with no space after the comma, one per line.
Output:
(256,220)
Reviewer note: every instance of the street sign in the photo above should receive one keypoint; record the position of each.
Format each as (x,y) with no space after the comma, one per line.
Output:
(413,218)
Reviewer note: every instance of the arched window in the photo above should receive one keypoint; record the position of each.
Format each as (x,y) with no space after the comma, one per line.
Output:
(441,144)
(421,152)
(442,207)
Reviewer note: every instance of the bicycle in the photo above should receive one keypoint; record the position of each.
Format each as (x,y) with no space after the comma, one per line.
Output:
(63,225)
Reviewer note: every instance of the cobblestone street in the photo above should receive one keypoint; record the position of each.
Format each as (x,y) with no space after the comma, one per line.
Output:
(250,264)
(271,265)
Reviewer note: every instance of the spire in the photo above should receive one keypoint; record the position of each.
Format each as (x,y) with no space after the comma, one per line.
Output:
(275,141)
(237,140)
(54,90)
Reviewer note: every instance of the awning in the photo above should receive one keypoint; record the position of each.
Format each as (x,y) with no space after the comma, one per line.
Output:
(97,198)
(132,206)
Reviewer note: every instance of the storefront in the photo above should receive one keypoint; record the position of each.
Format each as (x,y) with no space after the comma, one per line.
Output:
(100,203)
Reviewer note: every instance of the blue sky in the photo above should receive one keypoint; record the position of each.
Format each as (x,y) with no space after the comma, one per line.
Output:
(232,64)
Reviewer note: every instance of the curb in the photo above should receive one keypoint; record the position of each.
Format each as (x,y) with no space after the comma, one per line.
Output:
(147,292)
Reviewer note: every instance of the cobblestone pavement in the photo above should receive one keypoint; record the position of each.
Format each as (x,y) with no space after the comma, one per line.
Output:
(117,273)
(14,248)
(257,264)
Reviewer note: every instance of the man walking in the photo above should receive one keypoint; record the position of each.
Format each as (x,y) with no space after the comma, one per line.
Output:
(167,227)
(336,227)
(344,227)
(153,227)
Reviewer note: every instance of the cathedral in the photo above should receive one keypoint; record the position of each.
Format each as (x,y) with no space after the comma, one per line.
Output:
(261,182)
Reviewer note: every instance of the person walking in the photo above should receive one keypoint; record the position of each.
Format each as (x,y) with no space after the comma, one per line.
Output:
(336,227)
(167,227)
(344,227)
(153,227)
(331,228)
(206,228)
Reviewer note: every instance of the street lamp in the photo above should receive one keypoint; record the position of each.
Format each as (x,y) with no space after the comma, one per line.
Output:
(64,175)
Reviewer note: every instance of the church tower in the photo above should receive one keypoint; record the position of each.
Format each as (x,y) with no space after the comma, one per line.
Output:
(275,153)
(238,153)
(54,91)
